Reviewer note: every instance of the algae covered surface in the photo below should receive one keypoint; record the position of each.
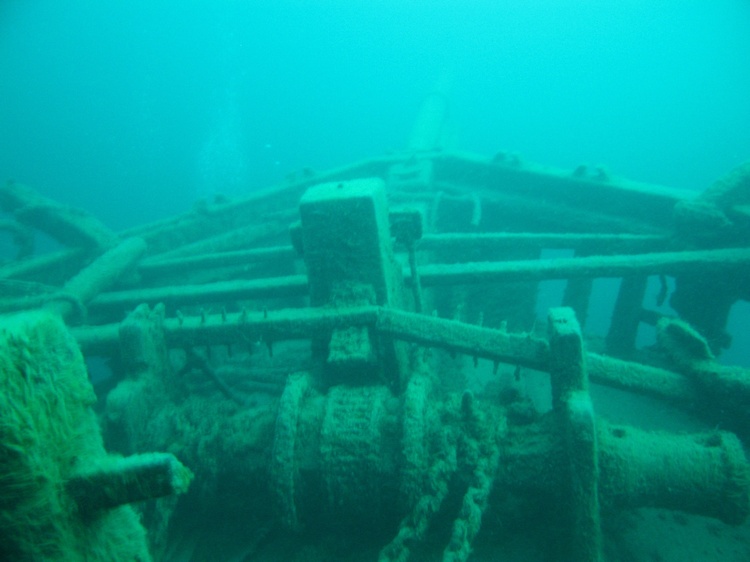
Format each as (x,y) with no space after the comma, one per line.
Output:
(48,432)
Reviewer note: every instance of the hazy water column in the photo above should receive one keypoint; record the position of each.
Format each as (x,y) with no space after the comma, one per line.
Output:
(222,163)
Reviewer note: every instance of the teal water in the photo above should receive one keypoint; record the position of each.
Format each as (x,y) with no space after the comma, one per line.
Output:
(132,109)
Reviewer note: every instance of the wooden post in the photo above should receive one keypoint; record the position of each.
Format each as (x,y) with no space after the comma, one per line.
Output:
(572,403)
(626,316)
(349,257)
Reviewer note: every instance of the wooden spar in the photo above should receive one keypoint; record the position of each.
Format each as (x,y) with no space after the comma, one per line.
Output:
(668,263)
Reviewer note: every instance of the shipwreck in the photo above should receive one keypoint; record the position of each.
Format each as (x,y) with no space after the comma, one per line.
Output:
(335,366)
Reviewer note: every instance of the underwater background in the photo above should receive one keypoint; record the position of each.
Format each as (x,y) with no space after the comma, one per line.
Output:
(133,109)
